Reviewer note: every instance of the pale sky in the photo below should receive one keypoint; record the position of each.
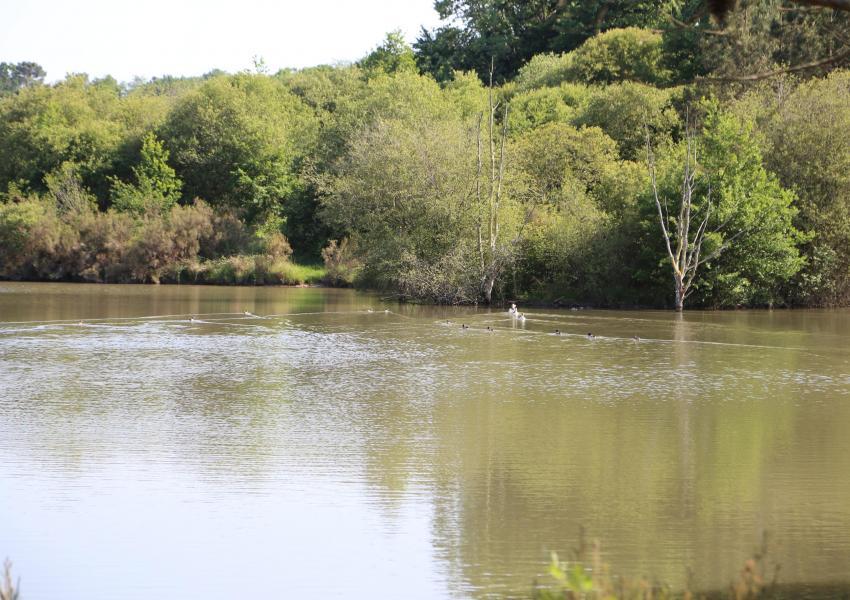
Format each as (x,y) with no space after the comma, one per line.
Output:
(191,37)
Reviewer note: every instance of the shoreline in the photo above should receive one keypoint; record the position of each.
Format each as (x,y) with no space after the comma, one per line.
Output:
(535,304)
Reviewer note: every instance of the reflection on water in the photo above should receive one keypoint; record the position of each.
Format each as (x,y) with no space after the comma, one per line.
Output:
(172,445)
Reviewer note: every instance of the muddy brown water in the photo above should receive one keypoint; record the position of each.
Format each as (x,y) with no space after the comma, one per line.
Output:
(172,446)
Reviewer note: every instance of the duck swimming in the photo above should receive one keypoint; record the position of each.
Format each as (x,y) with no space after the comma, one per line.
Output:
(557,332)
(590,336)
(521,317)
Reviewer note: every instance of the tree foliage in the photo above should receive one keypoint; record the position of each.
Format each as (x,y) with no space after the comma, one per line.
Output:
(13,77)
(156,188)
(237,141)
(405,171)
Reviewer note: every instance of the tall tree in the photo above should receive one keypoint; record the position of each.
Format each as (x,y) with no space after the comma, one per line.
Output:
(725,222)
(750,40)
(393,56)
(156,188)
(489,188)
(20,75)
(237,140)
(510,32)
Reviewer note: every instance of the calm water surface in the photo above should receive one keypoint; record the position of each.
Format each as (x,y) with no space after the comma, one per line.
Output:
(327,448)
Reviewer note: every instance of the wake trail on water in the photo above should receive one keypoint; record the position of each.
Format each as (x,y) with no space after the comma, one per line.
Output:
(477,324)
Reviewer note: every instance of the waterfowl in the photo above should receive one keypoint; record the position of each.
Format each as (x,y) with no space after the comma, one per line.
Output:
(636,338)
(557,332)
(369,310)
(248,313)
(464,326)
(512,310)
(192,319)
(521,317)
(590,336)
(386,311)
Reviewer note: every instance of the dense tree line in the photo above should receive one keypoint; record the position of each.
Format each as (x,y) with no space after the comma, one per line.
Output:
(411,172)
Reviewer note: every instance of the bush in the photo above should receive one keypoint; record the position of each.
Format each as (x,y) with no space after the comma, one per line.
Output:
(229,236)
(277,246)
(341,263)
(159,243)
(449,280)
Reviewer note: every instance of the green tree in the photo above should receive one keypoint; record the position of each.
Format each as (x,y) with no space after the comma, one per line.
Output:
(402,193)
(629,54)
(510,32)
(623,110)
(16,76)
(157,187)
(807,143)
(237,141)
(725,221)
(757,40)
(538,107)
(393,56)
(76,121)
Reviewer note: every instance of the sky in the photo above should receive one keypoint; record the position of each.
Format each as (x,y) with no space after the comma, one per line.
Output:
(191,37)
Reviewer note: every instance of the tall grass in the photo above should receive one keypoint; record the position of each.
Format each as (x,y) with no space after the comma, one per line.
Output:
(587,577)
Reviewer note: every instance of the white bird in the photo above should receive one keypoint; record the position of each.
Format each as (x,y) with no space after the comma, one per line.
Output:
(521,317)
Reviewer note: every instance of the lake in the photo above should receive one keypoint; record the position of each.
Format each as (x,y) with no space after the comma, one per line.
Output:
(322,447)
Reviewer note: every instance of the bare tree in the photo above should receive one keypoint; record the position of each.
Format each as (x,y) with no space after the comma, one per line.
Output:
(683,242)
(489,200)
(8,589)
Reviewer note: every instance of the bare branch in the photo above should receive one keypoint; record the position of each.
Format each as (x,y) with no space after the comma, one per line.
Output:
(835,58)
(662,217)
(834,4)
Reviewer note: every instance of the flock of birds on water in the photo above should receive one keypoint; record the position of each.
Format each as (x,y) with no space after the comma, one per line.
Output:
(513,312)
(520,317)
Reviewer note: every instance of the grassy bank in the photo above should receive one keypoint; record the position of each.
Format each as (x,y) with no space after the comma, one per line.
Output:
(246,270)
